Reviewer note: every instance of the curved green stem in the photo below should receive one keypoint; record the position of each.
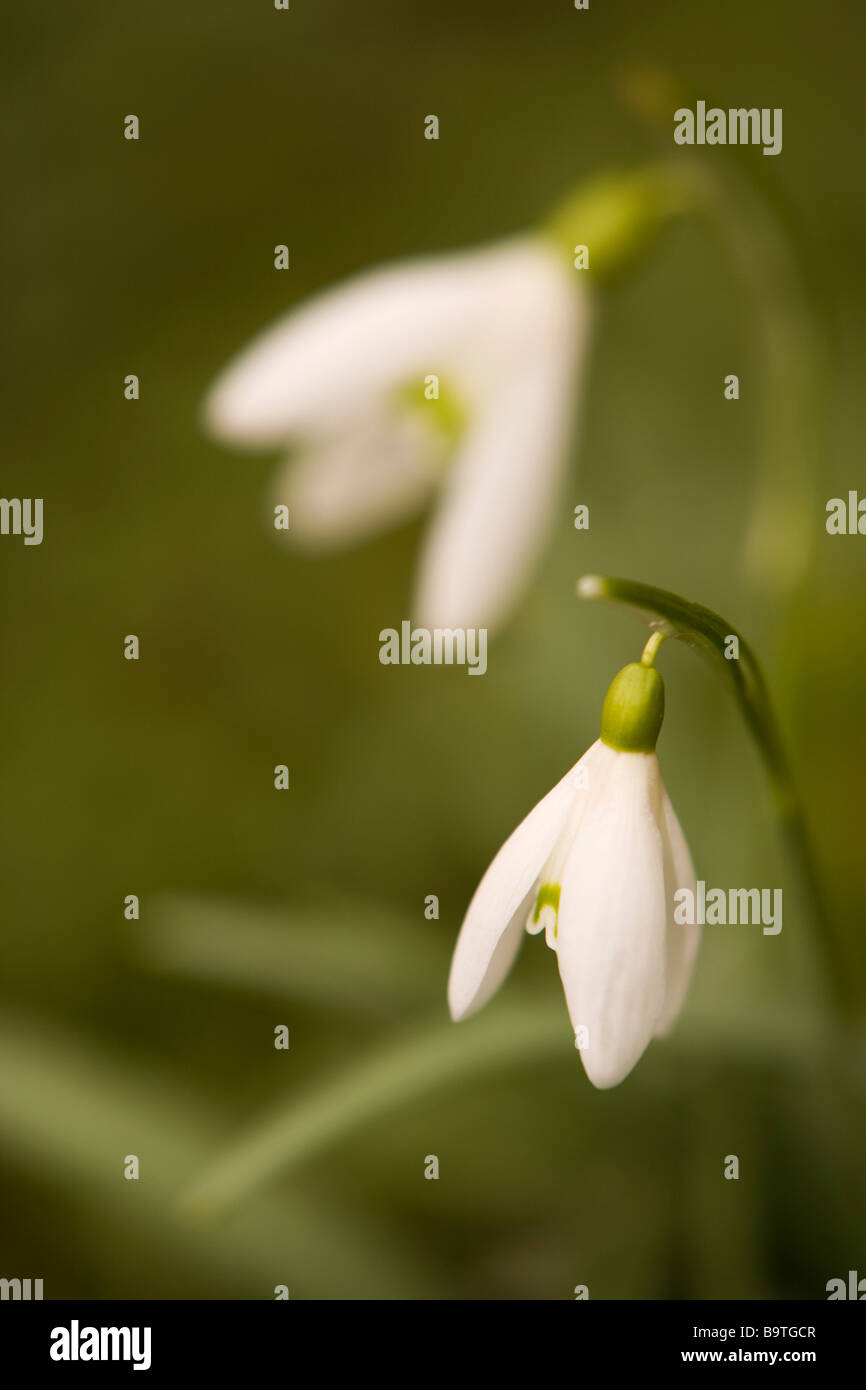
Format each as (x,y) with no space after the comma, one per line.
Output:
(780,537)
(672,616)
(768,253)
(654,641)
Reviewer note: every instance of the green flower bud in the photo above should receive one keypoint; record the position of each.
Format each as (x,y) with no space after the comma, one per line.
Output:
(633,709)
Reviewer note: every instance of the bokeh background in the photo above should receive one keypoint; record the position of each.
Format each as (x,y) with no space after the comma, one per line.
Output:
(306,908)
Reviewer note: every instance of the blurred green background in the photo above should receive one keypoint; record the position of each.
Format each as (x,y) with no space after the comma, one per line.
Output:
(307,908)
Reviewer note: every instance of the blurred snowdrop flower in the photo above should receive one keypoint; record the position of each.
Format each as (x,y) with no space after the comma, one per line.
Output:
(454,375)
(595,866)
(498,333)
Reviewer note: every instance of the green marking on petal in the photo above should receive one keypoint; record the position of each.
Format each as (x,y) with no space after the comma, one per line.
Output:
(548,896)
(435,403)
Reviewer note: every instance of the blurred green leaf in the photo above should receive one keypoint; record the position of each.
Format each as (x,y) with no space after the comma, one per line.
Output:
(403,1069)
(351,956)
(418,1062)
(71,1113)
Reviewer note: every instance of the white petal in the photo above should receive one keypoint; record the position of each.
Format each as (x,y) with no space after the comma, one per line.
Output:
(319,365)
(682,939)
(493,926)
(589,793)
(612,919)
(362,481)
(503,487)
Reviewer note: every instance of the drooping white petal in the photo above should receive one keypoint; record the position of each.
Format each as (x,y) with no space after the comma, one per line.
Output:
(360,482)
(319,365)
(502,488)
(682,938)
(589,791)
(493,926)
(612,920)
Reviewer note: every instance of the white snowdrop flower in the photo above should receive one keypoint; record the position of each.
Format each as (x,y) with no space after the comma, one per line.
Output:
(349,381)
(595,865)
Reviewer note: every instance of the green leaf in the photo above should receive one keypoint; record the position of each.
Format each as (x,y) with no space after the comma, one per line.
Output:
(70,1111)
(403,1070)
(351,956)
(413,1064)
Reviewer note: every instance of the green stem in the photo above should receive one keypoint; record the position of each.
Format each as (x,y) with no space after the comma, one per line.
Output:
(654,641)
(780,537)
(768,254)
(672,616)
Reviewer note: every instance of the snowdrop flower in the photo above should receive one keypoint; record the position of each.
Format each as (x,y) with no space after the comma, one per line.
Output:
(350,379)
(452,375)
(595,866)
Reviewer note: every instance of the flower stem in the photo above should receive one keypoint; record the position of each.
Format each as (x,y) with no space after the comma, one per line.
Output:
(648,655)
(766,249)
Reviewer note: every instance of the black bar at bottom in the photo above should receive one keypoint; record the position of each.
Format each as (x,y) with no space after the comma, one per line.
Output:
(165,1338)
